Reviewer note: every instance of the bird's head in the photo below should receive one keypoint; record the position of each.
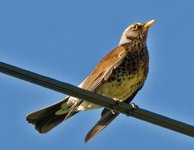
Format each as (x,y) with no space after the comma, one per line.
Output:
(137,31)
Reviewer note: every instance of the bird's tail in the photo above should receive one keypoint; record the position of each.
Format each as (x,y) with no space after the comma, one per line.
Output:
(46,119)
(107,116)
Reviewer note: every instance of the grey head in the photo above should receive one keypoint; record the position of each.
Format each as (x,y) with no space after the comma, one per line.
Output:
(136,31)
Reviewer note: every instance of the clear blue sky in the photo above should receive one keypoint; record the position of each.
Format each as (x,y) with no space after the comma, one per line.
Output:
(65,40)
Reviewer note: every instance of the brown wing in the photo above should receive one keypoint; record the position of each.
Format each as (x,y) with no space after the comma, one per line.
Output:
(104,69)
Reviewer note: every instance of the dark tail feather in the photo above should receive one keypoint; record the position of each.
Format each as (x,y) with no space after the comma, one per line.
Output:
(106,118)
(45,119)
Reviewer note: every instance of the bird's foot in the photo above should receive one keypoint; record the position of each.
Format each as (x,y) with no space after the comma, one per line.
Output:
(133,107)
(117,102)
(113,112)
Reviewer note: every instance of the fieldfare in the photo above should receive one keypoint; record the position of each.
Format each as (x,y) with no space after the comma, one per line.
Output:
(119,75)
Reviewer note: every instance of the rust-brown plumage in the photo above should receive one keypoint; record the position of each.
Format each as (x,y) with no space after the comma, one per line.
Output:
(119,75)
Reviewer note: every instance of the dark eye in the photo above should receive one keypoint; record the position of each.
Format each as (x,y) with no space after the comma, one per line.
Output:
(135,27)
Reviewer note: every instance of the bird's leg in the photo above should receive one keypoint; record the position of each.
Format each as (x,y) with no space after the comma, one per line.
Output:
(133,107)
(112,111)
(118,101)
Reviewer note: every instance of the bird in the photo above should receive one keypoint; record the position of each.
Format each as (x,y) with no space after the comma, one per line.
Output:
(120,75)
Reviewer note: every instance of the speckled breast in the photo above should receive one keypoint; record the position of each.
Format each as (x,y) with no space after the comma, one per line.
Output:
(128,77)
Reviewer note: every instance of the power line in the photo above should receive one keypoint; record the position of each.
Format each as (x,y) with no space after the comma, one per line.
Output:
(95,98)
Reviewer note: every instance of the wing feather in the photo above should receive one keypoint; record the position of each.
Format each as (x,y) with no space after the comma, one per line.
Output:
(104,69)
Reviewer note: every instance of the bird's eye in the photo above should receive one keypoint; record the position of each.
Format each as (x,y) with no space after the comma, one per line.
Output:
(135,27)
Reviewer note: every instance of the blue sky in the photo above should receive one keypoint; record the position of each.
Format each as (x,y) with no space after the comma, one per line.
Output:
(65,40)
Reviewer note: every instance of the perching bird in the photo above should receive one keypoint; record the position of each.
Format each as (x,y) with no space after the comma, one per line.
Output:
(119,75)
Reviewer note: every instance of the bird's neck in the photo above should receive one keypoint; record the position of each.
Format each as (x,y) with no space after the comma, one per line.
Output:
(124,40)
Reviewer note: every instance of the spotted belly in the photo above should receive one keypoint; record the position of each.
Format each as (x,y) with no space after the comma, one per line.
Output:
(119,89)
(123,87)
(126,79)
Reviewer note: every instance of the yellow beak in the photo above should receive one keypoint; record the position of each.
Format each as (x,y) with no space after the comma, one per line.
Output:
(149,23)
